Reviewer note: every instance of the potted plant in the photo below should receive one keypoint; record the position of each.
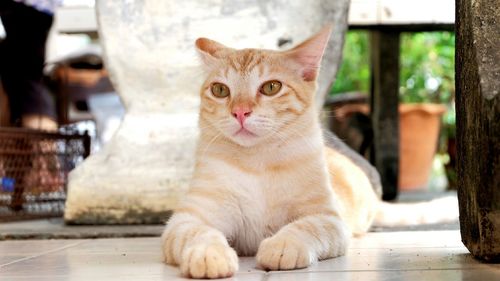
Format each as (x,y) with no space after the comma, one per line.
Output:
(419,133)
(426,87)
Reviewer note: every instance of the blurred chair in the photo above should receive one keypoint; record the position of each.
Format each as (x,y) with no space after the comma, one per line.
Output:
(149,53)
(74,79)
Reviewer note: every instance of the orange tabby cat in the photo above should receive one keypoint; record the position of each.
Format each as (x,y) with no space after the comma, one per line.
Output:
(264,183)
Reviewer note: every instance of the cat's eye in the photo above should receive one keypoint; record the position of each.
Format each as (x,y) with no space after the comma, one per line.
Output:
(270,88)
(219,90)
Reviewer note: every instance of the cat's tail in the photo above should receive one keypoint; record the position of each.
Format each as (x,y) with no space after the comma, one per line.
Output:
(441,210)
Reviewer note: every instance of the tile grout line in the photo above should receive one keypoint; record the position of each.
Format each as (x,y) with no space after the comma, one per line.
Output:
(409,247)
(41,254)
(371,270)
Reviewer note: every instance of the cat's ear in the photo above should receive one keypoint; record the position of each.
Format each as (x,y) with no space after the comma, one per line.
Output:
(309,53)
(209,50)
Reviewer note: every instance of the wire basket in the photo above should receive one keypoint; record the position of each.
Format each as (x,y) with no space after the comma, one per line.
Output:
(34,169)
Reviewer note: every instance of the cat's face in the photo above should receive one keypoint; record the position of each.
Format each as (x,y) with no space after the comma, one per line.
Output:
(251,96)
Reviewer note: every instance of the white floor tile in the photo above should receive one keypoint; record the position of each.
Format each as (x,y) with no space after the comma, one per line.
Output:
(8,259)
(436,255)
(33,247)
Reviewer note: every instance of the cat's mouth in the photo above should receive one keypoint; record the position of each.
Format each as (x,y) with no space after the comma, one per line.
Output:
(244,132)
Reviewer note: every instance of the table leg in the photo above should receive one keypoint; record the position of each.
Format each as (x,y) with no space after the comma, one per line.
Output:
(384,108)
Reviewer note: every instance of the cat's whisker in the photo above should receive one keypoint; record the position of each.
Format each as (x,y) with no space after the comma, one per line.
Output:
(334,115)
(331,114)
(298,133)
(206,127)
(276,133)
(222,123)
(210,143)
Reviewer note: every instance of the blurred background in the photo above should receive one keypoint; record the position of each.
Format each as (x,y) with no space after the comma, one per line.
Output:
(427,68)
(86,110)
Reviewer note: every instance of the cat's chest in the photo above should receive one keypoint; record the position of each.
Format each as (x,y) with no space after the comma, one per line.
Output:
(259,217)
(262,200)
(265,200)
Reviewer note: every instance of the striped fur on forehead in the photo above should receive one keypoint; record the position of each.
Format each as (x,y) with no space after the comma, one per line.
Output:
(244,61)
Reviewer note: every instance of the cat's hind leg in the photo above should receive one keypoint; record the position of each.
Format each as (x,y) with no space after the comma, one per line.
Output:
(200,250)
(303,242)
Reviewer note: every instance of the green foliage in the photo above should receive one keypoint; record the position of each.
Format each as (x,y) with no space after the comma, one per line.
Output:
(426,66)
(354,73)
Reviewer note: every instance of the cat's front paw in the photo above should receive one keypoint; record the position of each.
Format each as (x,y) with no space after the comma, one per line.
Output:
(283,253)
(209,260)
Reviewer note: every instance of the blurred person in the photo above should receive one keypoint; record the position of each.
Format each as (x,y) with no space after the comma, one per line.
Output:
(22,56)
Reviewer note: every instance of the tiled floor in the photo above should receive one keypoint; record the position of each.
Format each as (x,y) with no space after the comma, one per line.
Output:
(418,255)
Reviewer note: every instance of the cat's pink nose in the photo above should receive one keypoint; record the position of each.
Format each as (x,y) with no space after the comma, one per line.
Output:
(241,113)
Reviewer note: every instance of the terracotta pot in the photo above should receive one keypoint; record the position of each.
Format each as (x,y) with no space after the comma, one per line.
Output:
(419,132)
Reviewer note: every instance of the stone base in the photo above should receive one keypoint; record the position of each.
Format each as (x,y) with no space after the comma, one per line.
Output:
(55,228)
(138,176)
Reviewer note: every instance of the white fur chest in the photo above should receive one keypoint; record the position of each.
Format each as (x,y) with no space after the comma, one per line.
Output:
(247,217)
(259,199)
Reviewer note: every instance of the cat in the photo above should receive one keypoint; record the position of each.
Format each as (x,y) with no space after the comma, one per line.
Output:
(266,182)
